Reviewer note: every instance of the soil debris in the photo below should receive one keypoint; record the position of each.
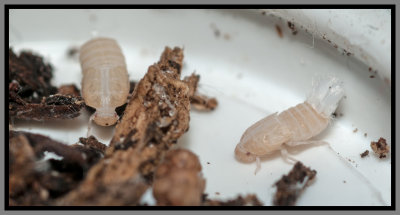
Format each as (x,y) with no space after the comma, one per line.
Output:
(292,27)
(73,52)
(290,186)
(31,95)
(34,181)
(32,75)
(69,89)
(381,148)
(279,31)
(364,154)
(248,200)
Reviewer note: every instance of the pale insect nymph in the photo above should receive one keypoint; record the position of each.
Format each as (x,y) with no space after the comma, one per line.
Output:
(293,126)
(105,82)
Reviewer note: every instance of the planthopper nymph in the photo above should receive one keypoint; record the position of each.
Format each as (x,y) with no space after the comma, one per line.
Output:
(105,82)
(293,126)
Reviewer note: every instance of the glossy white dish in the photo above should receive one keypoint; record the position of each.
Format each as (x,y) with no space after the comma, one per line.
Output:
(252,72)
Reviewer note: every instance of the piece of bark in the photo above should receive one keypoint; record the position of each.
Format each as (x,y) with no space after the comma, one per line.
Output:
(92,148)
(248,200)
(41,143)
(381,148)
(52,107)
(290,186)
(75,158)
(93,143)
(197,100)
(112,181)
(158,112)
(155,117)
(178,180)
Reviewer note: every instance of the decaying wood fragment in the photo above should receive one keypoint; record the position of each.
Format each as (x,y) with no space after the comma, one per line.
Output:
(113,181)
(92,142)
(92,148)
(197,100)
(53,107)
(157,114)
(178,180)
(41,143)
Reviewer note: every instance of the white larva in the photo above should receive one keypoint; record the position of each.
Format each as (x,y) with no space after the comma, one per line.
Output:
(293,126)
(105,82)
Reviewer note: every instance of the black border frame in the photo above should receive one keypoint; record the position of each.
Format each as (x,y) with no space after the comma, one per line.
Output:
(392,7)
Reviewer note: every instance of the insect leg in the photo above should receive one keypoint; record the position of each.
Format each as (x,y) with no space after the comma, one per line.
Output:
(297,143)
(89,133)
(258,163)
(286,157)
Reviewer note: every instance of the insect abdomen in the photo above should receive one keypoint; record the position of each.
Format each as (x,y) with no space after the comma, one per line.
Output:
(265,136)
(105,82)
(303,121)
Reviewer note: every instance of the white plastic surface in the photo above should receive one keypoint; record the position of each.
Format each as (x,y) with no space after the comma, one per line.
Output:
(252,72)
(365,33)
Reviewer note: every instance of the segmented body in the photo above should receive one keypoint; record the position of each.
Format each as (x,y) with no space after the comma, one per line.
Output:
(296,124)
(105,82)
